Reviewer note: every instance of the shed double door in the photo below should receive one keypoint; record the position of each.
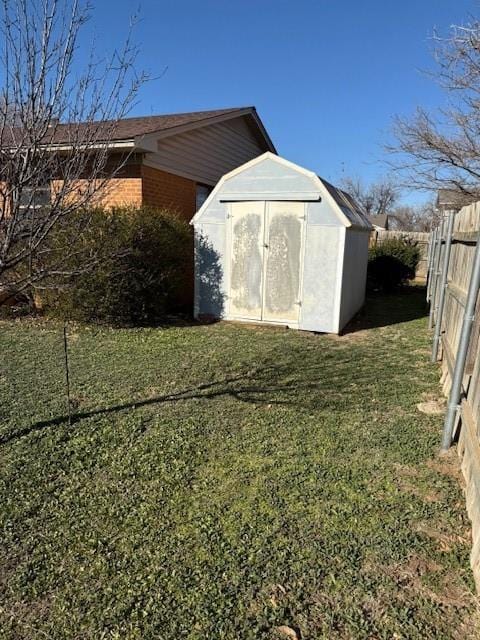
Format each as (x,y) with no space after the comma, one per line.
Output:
(266,246)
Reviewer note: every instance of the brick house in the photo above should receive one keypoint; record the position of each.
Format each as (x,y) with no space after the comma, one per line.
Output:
(174,161)
(166,161)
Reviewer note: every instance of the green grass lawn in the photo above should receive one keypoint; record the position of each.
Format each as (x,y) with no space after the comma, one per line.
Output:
(222,481)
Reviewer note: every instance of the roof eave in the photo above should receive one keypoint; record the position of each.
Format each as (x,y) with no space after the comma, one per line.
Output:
(61,146)
(259,123)
(150,139)
(147,142)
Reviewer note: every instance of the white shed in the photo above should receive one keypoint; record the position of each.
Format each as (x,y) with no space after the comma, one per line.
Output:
(276,244)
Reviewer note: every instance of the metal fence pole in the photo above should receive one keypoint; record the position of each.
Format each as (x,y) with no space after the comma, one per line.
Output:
(436,264)
(443,285)
(460,360)
(431,253)
(67,373)
(432,275)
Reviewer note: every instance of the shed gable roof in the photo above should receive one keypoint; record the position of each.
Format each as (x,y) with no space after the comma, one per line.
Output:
(312,188)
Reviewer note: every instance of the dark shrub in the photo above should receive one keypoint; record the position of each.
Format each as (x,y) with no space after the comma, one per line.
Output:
(141,267)
(392,263)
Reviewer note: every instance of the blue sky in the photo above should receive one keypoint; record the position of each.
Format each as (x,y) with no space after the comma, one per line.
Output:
(325,76)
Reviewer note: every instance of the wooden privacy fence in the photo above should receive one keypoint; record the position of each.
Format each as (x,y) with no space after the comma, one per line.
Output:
(420,238)
(452,291)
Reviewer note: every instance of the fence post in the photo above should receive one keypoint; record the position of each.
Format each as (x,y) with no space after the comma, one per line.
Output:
(443,285)
(431,253)
(436,264)
(67,373)
(463,345)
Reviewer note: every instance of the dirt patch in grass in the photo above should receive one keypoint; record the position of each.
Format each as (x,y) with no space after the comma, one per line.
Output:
(449,592)
(469,624)
(446,540)
(287,633)
(417,482)
(447,465)
(420,492)
(345,339)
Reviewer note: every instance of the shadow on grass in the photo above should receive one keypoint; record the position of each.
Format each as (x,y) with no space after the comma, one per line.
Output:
(386,309)
(280,382)
(254,392)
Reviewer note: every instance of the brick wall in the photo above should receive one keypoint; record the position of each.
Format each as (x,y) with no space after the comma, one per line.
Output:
(119,192)
(165,190)
(139,184)
(124,191)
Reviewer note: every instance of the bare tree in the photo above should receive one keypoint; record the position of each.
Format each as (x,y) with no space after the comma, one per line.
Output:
(376,198)
(52,90)
(414,218)
(442,149)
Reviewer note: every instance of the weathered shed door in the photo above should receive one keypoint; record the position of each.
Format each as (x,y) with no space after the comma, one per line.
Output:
(266,241)
(284,224)
(246,259)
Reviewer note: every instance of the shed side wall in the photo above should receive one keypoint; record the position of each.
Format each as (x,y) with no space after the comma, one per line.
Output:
(322,246)
(210,280)
(354,275)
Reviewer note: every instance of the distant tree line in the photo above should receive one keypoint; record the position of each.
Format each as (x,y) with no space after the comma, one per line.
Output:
(383,197)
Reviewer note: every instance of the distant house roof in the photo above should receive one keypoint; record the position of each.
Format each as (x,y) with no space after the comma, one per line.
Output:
(129,129)
(379,221)
(453,199)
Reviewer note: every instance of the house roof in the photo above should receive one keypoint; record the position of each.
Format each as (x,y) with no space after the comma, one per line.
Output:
(453,199)
(380,220)
(129,129)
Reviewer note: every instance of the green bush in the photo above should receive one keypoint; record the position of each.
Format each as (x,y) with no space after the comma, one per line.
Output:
(136,266)
(392,263)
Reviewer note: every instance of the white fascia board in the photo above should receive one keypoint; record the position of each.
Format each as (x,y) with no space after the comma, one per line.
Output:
(119,144)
